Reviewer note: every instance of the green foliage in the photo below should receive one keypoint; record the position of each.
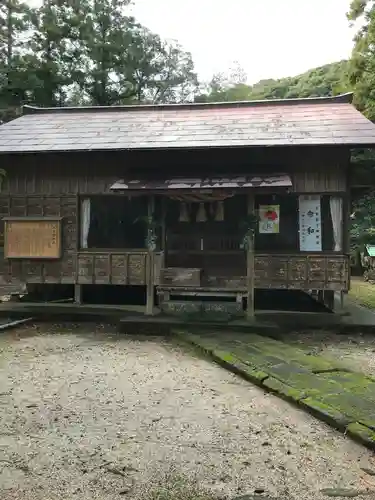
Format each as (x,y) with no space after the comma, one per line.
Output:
(331,79)
(362,63)
(86,52)
(14,21)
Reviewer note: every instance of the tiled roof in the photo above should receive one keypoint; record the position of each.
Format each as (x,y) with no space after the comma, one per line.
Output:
(317,121)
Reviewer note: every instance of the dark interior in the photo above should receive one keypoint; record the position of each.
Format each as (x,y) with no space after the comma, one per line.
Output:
(212,244)
(117,222)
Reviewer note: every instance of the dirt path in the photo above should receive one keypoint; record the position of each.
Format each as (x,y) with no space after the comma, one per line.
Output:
(86,413)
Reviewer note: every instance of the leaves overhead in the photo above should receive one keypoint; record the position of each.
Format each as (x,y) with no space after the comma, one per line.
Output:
(86,52)
(362,63)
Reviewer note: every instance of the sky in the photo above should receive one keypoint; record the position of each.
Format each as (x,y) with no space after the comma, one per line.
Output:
(268,38)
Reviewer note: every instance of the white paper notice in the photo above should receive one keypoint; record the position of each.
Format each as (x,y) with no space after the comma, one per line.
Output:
(310,224)
(269,219)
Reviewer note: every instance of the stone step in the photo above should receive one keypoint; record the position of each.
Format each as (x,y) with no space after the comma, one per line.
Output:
(217,309)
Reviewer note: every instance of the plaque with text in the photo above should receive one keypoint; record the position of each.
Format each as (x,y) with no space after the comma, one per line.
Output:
(32,238)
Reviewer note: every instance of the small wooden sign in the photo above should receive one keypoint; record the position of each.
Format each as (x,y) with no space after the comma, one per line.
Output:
(32,238)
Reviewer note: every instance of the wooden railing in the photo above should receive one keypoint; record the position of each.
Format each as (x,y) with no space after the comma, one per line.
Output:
(117,267)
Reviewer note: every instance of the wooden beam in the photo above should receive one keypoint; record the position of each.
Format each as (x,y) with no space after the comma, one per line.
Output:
(78,294)
(250,310)
(163,243)
(150,266)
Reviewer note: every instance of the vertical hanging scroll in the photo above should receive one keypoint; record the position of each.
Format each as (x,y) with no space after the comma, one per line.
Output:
(310,224)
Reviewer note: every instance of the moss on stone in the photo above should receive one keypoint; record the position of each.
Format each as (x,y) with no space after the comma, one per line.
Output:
(338,398)
(326,413)
(362,434)
(226,356)
(251,373)
(285,390)
(355,383)
(357,409)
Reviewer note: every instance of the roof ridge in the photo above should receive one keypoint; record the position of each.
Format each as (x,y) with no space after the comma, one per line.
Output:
(342,98)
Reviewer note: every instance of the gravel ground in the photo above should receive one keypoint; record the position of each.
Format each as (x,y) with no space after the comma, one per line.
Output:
(356,352)
(91,414)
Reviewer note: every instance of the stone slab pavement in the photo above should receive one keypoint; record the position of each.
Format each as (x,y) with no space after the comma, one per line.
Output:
(326,389)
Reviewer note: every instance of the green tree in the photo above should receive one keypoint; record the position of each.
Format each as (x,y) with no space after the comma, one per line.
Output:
(167,72)
(14,23)
(49,49)
(361,72)
(328,80)
(362,64)
(117,60)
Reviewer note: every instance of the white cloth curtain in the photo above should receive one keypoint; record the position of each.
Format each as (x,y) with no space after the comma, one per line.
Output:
(336,205)
(85,222)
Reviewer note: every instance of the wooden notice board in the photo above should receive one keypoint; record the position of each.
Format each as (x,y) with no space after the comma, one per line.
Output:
(32,238)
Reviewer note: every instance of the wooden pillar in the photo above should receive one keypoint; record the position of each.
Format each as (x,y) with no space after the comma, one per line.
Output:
(150,283)
(329,299)
(342,301)
(77,294)
(150,266)
(250,311)
(163,242)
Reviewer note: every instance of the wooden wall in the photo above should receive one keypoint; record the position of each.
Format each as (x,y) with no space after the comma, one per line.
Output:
(128,268)
(320,180)
(302,272)
(312,169)
(49,185)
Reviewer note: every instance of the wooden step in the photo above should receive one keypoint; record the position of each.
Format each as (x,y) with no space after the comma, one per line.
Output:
(180,276)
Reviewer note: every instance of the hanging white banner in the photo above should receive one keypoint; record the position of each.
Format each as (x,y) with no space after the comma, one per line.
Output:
(310,224)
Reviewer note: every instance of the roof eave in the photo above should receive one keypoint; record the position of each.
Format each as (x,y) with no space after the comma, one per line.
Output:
(342,98)
(197,148)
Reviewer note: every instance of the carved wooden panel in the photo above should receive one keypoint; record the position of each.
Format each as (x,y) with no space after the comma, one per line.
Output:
(304,272)
(68,268)
(297,269)
(271,272)
(316,270)
(137,269)
(337,272)
(112,268)
(85,269)
(51,272)
(16,268)
(102,271)
(119,269)
(5,270)
(33,271)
